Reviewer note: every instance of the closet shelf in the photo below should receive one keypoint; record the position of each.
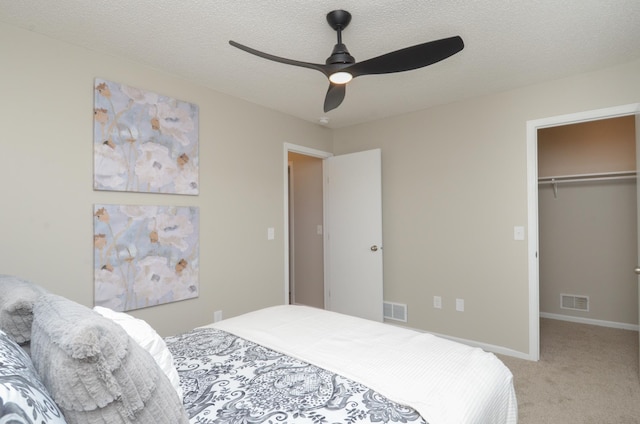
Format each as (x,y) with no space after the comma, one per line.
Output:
(580,178)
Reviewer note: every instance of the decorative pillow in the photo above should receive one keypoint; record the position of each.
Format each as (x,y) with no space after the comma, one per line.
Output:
(140,331)
(23,397)
(94,371)
(16,305)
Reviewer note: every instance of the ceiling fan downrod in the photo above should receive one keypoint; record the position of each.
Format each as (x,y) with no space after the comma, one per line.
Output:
(338,20)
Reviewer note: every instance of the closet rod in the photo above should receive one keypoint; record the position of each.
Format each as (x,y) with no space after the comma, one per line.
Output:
(579,178)
(588,177)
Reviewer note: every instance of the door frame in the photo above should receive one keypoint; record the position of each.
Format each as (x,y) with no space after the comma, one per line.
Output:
(532,199)
(294,148)
(290,234)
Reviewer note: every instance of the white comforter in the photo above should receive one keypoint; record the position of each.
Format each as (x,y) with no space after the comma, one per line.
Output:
(445,381)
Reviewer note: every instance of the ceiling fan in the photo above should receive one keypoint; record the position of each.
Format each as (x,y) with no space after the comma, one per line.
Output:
(341,67)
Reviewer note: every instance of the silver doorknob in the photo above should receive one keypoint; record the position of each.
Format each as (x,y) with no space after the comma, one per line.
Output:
(374,248)
(637,269)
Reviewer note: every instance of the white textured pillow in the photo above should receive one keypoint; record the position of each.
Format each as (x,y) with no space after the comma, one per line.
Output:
(140,331)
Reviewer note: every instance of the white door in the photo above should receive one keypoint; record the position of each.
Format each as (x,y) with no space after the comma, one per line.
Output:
(353,234)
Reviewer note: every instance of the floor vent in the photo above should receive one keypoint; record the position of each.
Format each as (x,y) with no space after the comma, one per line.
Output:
(577,303)
(395,311)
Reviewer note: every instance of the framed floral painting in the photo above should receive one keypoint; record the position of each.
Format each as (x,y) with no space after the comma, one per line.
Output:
(145,255)
(144,142)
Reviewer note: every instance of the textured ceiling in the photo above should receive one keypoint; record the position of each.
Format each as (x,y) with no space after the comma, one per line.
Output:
(508,43)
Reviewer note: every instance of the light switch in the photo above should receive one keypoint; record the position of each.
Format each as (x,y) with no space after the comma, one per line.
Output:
(437,302)
(518,233)
(319,230)
(271,233)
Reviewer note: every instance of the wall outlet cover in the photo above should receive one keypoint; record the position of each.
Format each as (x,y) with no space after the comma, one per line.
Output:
(437,302)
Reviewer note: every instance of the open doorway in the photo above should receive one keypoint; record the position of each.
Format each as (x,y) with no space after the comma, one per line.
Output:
(303,234)
(532,196)
(587,222)
(306,229)
(353,251)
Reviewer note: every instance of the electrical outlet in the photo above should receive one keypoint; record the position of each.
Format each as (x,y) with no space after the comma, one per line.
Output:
(460,305)
(217,316)
(437,302)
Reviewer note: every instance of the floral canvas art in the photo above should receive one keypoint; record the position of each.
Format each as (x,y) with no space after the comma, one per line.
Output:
(145,255)
(144,142)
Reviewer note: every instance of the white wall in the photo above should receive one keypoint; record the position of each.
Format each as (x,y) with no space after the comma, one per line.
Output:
(46,179)
(454,186)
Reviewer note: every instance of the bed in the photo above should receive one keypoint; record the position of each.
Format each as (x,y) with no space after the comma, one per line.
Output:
(301,364)
(283,364)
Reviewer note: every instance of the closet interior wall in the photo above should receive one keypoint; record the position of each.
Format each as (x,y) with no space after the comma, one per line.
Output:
(588,244)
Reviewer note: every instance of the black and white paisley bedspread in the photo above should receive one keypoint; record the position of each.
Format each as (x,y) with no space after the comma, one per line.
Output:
(227,380)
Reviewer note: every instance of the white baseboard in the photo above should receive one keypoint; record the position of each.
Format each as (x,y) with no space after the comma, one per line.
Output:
(484,346)
(522,355)
(501,350)
(591,321)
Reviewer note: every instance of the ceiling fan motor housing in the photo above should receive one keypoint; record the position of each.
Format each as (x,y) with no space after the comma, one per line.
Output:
(340,55)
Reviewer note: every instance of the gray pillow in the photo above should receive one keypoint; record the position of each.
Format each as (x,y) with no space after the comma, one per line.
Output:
(94,371)
(17,297)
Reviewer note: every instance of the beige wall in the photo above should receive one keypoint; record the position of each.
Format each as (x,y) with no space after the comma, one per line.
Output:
(454,185)
(307,245)
(606,145)
(588,247)
(454,182)
(46,176)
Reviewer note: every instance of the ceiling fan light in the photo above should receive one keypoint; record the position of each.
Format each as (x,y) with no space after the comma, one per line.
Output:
(340,77)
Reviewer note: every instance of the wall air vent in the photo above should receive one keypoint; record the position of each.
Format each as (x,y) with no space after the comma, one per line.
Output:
(395,311)
(576,303)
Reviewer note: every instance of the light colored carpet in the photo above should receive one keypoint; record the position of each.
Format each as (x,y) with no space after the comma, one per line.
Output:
(586,375)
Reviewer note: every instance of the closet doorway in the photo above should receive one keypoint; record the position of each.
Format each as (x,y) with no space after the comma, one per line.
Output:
(588,245)
(532,195)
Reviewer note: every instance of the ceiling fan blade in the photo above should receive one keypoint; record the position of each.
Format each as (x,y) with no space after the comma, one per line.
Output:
(409,58)
(335,96)
(316,66)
